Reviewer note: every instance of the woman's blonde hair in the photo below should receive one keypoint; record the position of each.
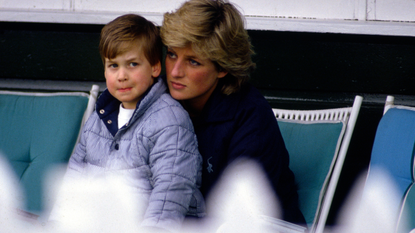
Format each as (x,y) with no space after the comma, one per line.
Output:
(215,30)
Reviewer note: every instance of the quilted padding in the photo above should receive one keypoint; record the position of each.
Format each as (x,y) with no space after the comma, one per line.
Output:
(38,132)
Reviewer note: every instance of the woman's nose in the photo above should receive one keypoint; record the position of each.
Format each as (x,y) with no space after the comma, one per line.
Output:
(177,70)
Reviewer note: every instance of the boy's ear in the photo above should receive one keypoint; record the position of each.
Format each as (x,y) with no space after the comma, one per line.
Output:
(156,70)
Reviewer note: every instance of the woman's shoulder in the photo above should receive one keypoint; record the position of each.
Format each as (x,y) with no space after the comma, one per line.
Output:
(248,101)
(251,98)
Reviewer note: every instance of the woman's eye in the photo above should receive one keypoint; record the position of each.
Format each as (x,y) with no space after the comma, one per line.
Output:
(193,62)
(171,54)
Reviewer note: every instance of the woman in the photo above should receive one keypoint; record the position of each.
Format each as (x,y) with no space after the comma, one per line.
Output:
(208,64)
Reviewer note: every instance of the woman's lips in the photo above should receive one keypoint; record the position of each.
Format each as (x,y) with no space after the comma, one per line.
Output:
(177,85)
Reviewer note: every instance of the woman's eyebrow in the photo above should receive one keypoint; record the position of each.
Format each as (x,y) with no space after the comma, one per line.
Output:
(191,57)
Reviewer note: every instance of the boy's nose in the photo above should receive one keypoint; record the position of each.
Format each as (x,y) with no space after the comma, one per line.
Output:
(122,75)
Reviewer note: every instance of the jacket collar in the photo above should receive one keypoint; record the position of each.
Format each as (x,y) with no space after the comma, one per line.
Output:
(220,107)
(107,106)
(109,103)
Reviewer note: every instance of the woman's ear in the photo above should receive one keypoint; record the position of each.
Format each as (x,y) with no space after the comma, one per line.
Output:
(222,74)
(156,70)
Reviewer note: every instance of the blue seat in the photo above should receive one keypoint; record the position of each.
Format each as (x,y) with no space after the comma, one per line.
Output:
(393,152)
(38,132)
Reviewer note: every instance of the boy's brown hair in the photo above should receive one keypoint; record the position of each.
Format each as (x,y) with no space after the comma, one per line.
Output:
(127,31)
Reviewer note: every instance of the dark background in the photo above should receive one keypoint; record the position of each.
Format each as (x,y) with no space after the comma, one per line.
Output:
(295,70)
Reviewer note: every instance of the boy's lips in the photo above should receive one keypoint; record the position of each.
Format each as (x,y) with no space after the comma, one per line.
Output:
(177,85)
(124,89)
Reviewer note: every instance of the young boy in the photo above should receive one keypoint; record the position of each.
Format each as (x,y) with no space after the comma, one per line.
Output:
(138,131)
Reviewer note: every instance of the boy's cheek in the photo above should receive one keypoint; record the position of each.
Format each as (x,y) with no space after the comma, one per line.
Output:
(107,74)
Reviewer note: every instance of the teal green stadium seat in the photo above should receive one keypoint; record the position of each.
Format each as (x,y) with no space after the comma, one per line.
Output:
(317,143)
(393,151)
(38,132)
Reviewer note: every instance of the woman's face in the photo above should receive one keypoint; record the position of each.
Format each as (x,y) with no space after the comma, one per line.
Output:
(191,78)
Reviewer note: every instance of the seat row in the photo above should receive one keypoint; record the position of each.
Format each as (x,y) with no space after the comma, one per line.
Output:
(317,142)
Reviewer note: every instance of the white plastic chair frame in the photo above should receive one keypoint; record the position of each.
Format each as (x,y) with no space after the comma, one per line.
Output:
(390,103)
(347,115)
(93,96)
(336,114)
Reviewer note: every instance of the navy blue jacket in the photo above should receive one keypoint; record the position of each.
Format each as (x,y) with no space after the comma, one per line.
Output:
(243,125)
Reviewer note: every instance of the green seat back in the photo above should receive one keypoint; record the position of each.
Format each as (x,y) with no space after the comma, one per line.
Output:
(312,149)
(38,132)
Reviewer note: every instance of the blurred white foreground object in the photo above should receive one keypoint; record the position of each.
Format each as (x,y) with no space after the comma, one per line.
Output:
(11,201)
(96,205)
(243,201)
(375,211)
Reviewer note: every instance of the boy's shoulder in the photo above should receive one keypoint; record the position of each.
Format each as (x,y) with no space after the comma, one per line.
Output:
(170,111)
(169,100)
(160,95)
(167,103)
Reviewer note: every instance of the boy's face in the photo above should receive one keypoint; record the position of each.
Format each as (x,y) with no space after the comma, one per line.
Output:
(129,75)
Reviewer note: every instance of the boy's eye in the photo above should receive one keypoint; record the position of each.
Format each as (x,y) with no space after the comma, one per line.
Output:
(133,64)
(112,65)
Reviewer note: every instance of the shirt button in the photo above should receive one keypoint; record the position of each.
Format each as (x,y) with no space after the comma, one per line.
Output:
(117,146)
(102,111)
(109,122)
